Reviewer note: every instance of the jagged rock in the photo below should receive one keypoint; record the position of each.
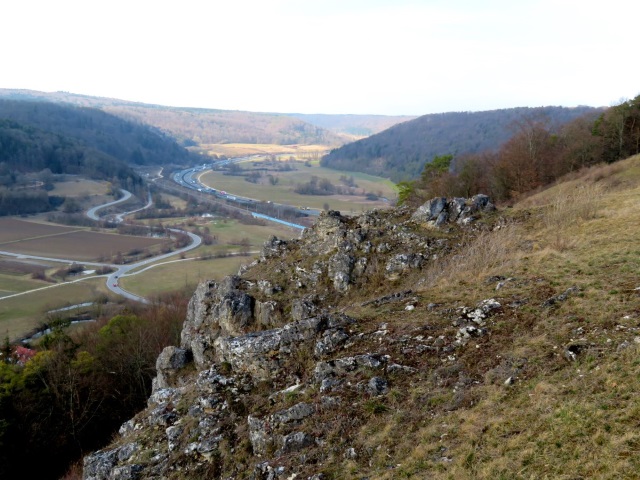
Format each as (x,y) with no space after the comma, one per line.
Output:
(264,471)
(481,312)
(215,309)
(439,210)
(430,210)
(295,442)
(244,268)
(550,302)
(294,413)
(455,208)
(400,263)
(259,435)
(193,422)
(396,368)
(329,342)
(264,432)
(341,366)
(377,386)
(266,287)
(327,234)
(339,269)
(127,427)
(266,313)
(126,472)
(98,465)
(169,360)
(173,436)
(247,353)
(273,248)
(305,307)
(465,334)
(126,451)
(164,396)
(393,297)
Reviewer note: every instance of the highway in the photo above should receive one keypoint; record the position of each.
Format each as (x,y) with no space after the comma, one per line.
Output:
(188,178)
(184,178)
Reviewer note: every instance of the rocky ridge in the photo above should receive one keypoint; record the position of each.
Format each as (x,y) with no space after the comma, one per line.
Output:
(274,380)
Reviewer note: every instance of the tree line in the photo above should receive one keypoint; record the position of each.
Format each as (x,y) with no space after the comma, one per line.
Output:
(401,151)
(39,140)
(69,395)
(537,154)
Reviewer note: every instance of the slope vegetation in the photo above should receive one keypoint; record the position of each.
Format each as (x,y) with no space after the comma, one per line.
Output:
(402,151)
(499,344)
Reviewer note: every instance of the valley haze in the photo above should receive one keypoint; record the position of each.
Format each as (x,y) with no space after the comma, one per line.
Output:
(407,57)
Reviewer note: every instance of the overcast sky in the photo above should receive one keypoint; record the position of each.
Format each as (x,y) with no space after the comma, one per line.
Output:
(326,56)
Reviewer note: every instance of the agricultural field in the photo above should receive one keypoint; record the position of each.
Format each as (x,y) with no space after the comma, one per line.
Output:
(277,184)
(21,314)
(181,274)
(12,284)
(80,187)
(242,149)
(13,230)
(82,245)
(27,290)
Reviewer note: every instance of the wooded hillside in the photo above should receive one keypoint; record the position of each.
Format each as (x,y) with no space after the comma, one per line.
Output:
(194,126)
(401,152)
(41,139)
(126,141)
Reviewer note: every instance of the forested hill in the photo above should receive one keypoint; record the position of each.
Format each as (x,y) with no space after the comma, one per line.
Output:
(92,129)
(199,126)
(401,151)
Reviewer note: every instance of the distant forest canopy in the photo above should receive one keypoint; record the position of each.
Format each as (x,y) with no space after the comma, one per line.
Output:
(536,155)
(401,152)
(42,139)
(198,126)
(126,141)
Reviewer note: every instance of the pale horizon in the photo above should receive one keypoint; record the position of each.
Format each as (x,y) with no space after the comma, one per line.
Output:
(376,57)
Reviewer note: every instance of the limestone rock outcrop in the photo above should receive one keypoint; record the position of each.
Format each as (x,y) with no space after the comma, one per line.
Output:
(268,364)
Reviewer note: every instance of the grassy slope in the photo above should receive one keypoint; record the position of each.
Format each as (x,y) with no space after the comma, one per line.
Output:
(559,419)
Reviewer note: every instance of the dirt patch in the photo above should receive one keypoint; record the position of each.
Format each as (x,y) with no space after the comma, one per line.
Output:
(12,229)
(83,245)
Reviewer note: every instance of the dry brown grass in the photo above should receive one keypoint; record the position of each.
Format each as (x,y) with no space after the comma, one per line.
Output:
(488,253)
(560,420)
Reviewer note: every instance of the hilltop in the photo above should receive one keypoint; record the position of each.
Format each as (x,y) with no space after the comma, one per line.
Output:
(198,126)
(455,340)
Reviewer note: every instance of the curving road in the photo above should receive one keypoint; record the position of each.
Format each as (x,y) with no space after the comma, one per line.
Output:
(91,213)
(113,283)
